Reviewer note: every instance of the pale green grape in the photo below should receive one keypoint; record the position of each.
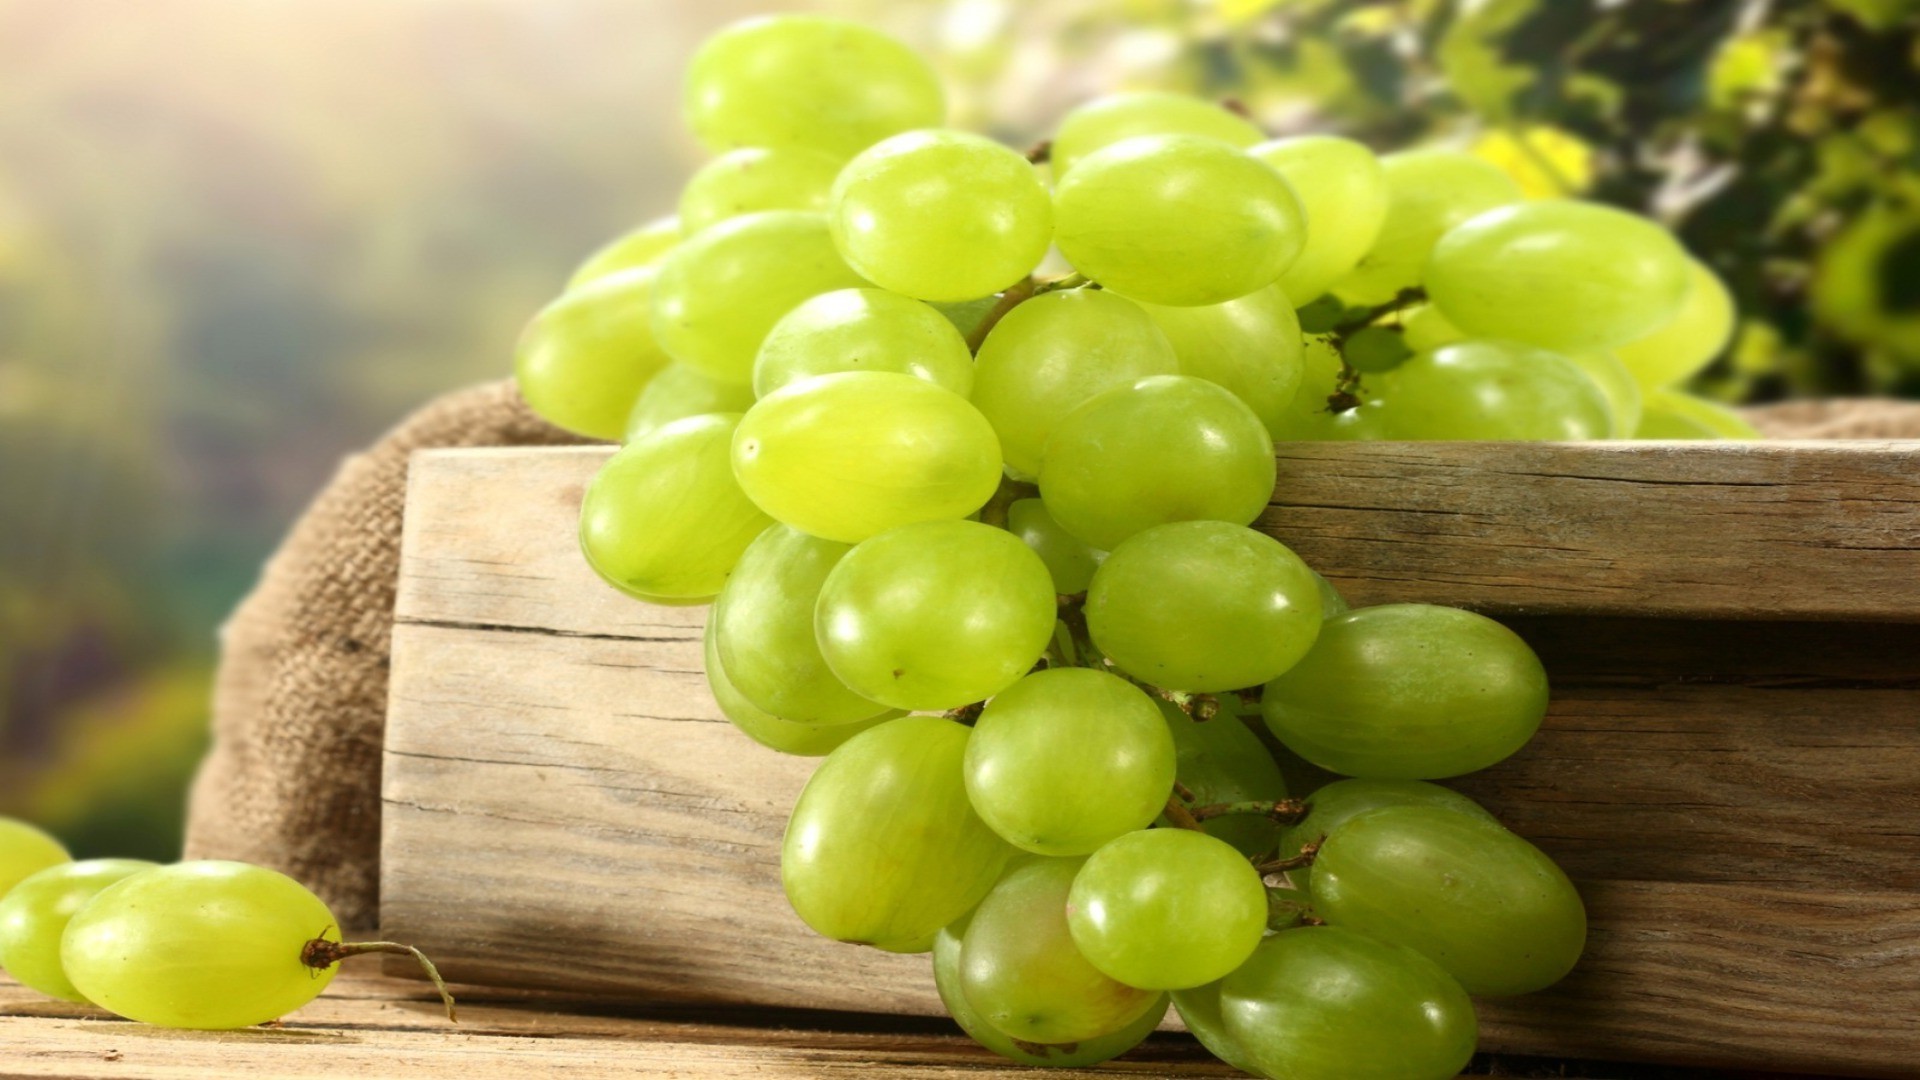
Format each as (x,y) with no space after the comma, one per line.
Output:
(1331,602)
(1558,273)
(755,178)
(1222,761)
(808,81)
(1322,1003)
(1200,1010)
(1487,906)
(1624,397)
(1680,412)
(1067,759)
(848,455)
(763,630)
(1428,193)
(1070,561)
(1167,909)
(941,215)
(804,740)
(680,391)
(1252,346)
(863,330)
(719,293)
(585,357)
(1487,390)
(1177,219)
(1021,972)
(35,912)
(1426,329)
(1203,605)
(1168,448)
(1679,348)
(935,615)
(1408,691)
(663,519)
(1107,120)
(25,850)
(883,847)
(1335,804)
(1051,354)
(1310,415)
(1343,191)
(1375,350)
(641,247)
(201,945)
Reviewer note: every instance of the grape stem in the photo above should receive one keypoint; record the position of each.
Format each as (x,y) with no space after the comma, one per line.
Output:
(1009,492)
(1184,792)
(1285,811)
(1040,152)
(1015,295)
(322,953)
(966,714)
(1177,814)
(1202,707)
(1281,866)
(1074,280)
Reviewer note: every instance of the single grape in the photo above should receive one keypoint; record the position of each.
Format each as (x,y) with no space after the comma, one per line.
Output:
(1484,904)
(1322,1003)
(641,247)
(863,330)
(1342,190)
(941,215)
(1331,806)
(1167,909)
(1428,193)
(1067,759)
(1624,396)
(1559,273)
(1680,413)
(1204,606)
(803,740)
(1116,117)
(585,357)
(763,631)
(1251,346)
(1407,691)
(1222,761)
(1200,1011)
(755,178)
(808,81)
(1331,602)
(1070,562)
(1051,354)
(719,293)
(1487,390)
(1177,219)
(935,615)
(35,913)
(25,850)
(1022,973)
(678,392)
(852,454)
(663,519)
(883,847)
(1679,348)
(1168,448)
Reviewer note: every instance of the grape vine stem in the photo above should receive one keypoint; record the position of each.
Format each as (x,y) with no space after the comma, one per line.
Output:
(1178,815)
(1281,866)
(322,953)
(1285,811)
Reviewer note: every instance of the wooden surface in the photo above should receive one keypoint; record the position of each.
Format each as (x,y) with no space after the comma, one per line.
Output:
(564,806)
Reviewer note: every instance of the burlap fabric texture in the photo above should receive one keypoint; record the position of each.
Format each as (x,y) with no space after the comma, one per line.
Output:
(293,780)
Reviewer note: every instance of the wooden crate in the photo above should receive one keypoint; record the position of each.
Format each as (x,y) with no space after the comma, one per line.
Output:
(1730,768)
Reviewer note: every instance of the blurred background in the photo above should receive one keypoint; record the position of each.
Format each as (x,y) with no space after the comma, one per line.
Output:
(238,239)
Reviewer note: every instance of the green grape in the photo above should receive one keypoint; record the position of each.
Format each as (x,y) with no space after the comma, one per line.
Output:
(803,740)
(1322,1003)
(863,330)
(25,850)
(935,615)
(1426,329)
(763,631)
(1560,274)
(1051,354)
(1661,423)
(1177,219)
(1310,416)
(1331,602)
(1679,348)
(200,945)
(1719,422)
(1167,909)
(1067,759)
(1428,193)
(1079,1053)
(719,293)
(34,914)
(1168,448)
(678,392)
(754,178)
(1333,805)
(1408,691)
(941,215)
(1222,761)
(1021,972)
(1487,906)
(1200,1011)
(1204,606)
(585,357)
(808,81)
(1623,394)
(883,847)
(641,247)
(848,455)
(663,519)
(1107,120)
(1375,350)
(1069,561)
(1488,390)
(1252,346)
(1343,190)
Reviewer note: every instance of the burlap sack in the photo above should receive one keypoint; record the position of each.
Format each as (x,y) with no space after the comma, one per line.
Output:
(293,781)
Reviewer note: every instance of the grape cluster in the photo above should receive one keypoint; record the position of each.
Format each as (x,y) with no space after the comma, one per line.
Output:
(980,535)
